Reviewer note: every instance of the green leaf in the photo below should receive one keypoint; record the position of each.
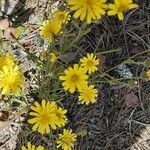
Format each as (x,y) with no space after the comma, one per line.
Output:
(20,31)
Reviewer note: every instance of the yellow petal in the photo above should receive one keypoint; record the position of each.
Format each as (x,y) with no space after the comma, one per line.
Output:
(33,120)
(120,16)
(131,6)
(78,13)
(23,148)
(5,90)
(34,128)
(111,13)
(29,145)
(89,17)
(40,148)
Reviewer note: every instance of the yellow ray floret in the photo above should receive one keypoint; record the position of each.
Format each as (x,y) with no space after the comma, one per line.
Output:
(47,116)
(148,74)
(66,140)
(6,59)
(74,78)
(61,16)
(88,95)
(88,9)
(120,6)
(32,147)
(11,80)
(49,28)
(61,118)
(90,63)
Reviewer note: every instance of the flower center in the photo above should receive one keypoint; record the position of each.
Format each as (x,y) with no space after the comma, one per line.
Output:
(9,80)
(66,140)
(121,8)
(90,63)
(89,2)
(58,115)
(50,30)
(44,117)
(61,16)
(75,78)
(88,94)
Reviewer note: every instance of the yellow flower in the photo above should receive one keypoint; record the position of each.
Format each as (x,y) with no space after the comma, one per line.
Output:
(120,6)
(88,9)
(74,78)
(49,28)
(148,74)
(6,59)
(61,16)
(66,140)
(47,116)
(11,80)
(43,117)
(61,118)
(32,147)
(88,95)
(53,57)
(90,63)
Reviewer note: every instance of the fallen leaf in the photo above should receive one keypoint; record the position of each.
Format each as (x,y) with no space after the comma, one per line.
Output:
(131,99)
(8,32)
(4,115)
(4,24)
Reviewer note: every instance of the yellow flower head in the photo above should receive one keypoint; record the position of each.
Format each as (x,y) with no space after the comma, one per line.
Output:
(11,80)
(74,78)
(32,147)
(47,116)
(90,63)
(88,9)
(53,57)
(61,16)
(66,140)
(43,117)
(120,6)
(6,59)
(148,74)
(61,118)
(49,28)
(88,95)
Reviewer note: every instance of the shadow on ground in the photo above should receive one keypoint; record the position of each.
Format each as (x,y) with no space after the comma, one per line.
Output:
(16,11)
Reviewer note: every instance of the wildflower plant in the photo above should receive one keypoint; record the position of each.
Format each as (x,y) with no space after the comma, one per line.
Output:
(65,71)
(6,59)
(11,80)
(32,147)
(90,63)
(88,9)
(66,140)
(74,78)
(120,6)
(88,95)
(61,16)
(47,116)
(49,28)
